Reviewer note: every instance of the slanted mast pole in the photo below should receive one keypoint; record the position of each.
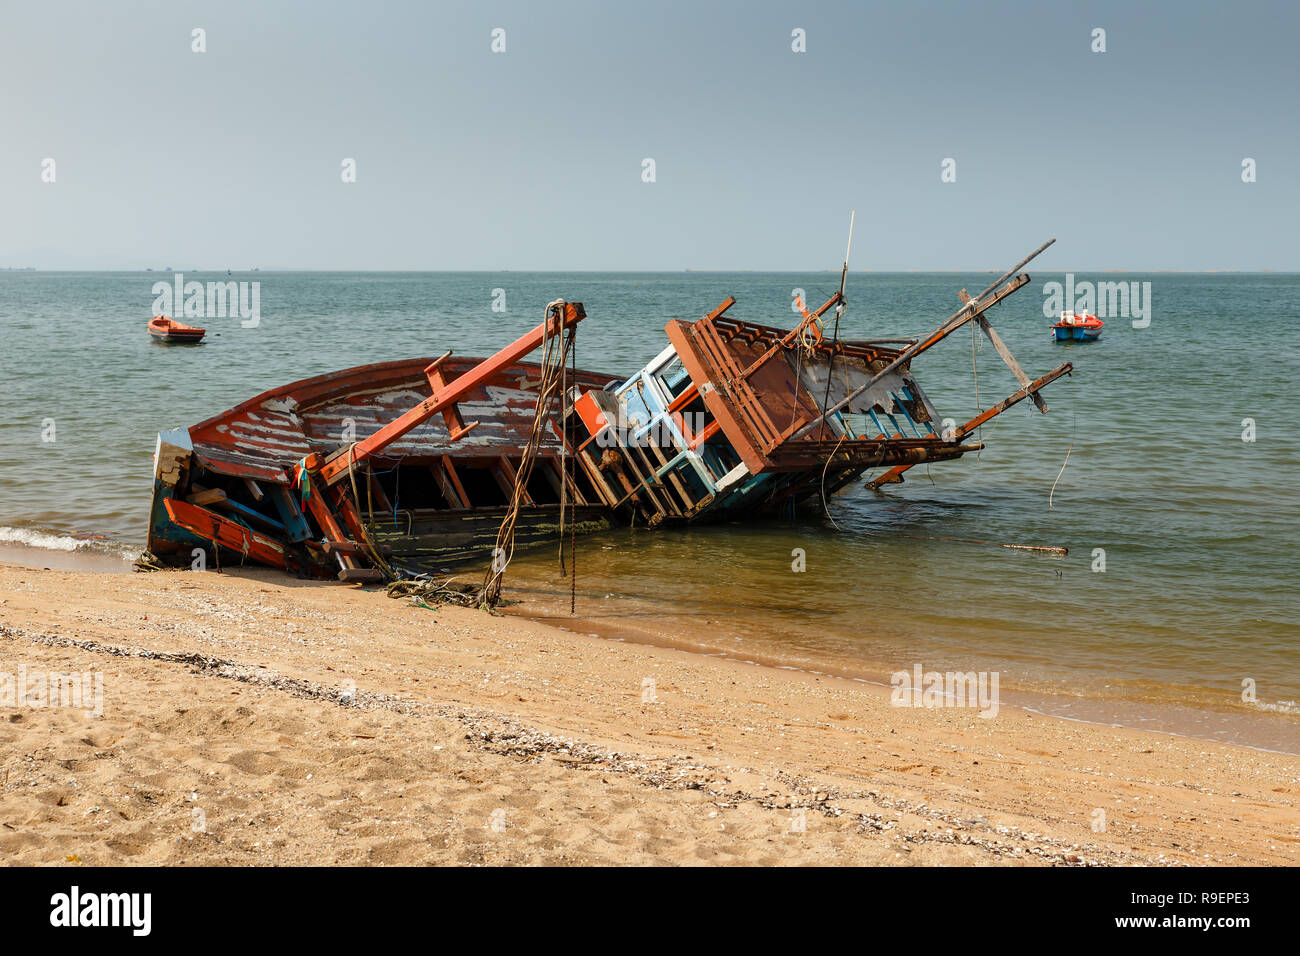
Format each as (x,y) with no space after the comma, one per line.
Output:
(839,311)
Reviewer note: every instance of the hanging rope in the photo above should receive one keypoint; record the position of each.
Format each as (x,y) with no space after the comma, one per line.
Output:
(830,369)
(1063,464)
(798,377)
(975,374)
(572,462)
(1058,475)
(825,506)
(554,354)
(379,562)
(564,455)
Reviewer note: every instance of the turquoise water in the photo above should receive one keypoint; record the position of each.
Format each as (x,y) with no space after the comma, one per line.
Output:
(1199,527)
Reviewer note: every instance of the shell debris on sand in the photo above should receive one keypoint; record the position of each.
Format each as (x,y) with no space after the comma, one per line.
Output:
(320,724)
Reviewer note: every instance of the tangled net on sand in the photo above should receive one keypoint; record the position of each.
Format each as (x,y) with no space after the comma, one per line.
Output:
(426,592)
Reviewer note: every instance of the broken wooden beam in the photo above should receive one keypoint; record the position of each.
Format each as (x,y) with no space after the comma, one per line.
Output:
(361,575)
(337,466)
(208,496)
(935,337)
(955,321)
(350,548)
(1001,348)
(895,474)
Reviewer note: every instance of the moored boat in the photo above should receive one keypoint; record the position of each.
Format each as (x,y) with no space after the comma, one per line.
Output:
(1076,327)
(170,331)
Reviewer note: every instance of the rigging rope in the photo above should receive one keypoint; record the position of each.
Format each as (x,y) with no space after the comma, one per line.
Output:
(975,374)
(1063,464)
(1058,475)
(380,563)
(573,464)
(826,507)
(554,354)
(830,372)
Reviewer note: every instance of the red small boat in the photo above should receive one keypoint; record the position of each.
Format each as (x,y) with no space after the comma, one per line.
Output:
(1080,328)
(164,329)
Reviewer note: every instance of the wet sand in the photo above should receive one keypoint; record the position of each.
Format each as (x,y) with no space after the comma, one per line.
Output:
(750,635)
(250,718)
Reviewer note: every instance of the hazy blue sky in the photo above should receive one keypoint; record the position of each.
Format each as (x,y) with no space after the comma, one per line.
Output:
(532,158)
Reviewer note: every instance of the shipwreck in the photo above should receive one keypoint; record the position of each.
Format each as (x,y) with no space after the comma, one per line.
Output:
(404,468)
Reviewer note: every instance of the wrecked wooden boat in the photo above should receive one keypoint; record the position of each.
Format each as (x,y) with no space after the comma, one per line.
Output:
(735,418)
(420,459)
(395,469)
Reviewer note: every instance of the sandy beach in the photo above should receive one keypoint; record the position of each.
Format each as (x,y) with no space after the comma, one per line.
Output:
(248,718)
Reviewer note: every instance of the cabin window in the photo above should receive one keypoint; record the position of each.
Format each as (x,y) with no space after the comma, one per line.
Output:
(720,458)
(695,418)
(675,378)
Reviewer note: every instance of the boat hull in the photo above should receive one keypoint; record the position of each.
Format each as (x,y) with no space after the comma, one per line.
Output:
(1064,334)
(174,338)
(433,499)
(170,332)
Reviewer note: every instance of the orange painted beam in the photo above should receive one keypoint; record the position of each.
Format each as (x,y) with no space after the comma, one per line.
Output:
(332,470)
(227,533)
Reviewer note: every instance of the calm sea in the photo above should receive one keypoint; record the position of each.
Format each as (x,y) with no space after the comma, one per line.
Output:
(1199,528)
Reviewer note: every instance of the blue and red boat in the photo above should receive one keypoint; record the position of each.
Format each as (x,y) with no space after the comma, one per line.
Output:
(1079,328)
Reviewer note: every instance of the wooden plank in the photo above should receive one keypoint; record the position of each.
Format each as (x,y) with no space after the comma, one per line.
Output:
(363,575)
(645,472)
(350,548)
(208,496)
(250,514)
(456,427)
(688,503)
(226,533)
(607,494)
(334,469)
(704,374)
(506,477)
(895,474)
(295,524)
(1001,348)
(555,473)
(458,490)
(325,518)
